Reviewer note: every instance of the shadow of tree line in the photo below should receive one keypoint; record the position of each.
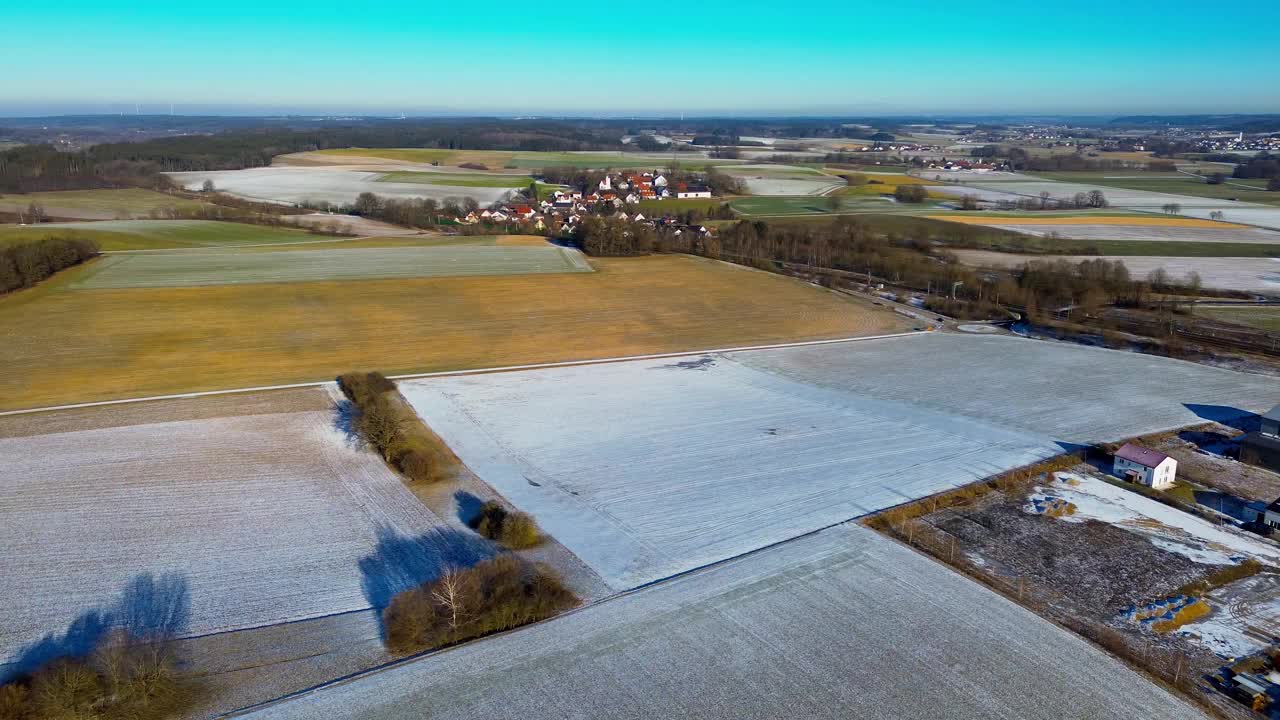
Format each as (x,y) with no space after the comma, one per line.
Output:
(150,608)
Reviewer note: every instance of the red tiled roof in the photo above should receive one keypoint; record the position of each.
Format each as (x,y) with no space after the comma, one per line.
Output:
(1141,455)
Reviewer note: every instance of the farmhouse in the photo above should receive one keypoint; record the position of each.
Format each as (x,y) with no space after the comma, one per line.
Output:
(1262,448)
(692,191)
(1151,468)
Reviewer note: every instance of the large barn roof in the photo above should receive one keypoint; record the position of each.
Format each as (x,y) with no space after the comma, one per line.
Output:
(1141,455)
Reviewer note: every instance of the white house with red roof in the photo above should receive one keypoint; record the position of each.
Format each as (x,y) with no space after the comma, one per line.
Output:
(1151,468)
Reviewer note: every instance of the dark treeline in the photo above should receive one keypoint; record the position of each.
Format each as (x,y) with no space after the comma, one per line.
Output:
(1019,159)
(33,168)
(1263,166)
(26,264)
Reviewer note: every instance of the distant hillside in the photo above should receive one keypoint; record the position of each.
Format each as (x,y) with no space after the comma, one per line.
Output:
(1244,123)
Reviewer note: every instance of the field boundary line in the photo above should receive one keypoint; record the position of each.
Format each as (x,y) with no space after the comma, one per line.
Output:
(471,371)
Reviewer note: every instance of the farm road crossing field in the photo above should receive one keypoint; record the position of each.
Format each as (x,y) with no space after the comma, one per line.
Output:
(69,346)
(648,468)
(842,624)
(182,268)
(265,517)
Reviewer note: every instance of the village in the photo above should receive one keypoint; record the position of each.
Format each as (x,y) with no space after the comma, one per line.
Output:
(616,195)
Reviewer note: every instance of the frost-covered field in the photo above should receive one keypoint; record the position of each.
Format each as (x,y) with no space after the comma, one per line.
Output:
(648,468)
(1145,232)
(1123,198)
(292,185)
(181,268)
(783,179)
(264,518)
(1249,274)
(842,624)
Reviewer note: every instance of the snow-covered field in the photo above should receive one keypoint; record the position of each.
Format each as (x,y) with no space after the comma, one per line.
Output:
(292,185)
(648,468)
(1145,232)
(1244,612)
(1248,274)
(783,179)
(841,624)
(184,268)
(1173,530)
(261,518)
(1122,198)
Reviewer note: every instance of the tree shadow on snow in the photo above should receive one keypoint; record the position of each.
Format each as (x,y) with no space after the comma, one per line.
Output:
(149,608)
(400,562)
(468,507)
(1086,452)
(344,419)
(1232,417)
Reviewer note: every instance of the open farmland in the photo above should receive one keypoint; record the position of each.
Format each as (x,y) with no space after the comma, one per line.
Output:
(1123,198)
(84,345)
(457,179)
(104,204)
(248,511)
(842,624)
(784,180)
(498,159)
(1172,182)
(183,268)
(659,466)
(1261,317)
(336,185)
(161,234)
(1251,274)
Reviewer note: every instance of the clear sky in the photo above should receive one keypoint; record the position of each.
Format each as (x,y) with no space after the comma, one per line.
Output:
(720,56)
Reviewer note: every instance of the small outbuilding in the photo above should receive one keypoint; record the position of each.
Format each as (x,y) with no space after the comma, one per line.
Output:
(1138,464)
(1262,448)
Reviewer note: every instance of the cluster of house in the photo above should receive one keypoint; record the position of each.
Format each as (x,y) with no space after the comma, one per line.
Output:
(615,193)
(971,165)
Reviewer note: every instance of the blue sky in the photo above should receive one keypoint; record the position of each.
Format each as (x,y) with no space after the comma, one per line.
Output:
(726,56)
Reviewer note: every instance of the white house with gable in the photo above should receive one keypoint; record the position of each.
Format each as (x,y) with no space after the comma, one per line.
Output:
(1151,468)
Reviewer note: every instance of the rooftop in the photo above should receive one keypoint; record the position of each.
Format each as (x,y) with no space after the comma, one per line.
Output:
(1141,455)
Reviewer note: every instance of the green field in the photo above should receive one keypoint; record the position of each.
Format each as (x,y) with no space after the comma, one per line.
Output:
(231,266)
(1173,183)
(1258,316)
(103,204)
(458,179)
(158,234)
(765,206)
(660,207)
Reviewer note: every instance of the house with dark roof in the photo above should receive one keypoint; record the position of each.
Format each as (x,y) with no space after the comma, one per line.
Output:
(1262,448)
(1138,464)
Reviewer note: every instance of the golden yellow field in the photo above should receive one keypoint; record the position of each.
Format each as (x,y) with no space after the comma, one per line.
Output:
(1150,221)
(66,346)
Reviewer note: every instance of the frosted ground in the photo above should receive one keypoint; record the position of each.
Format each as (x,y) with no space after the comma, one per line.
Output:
(1124,199)
(783,179)
(337,185)
(1248,274)
(648,468)
(1143,232)
(266,518)
(1173,530)
(841,624)
(182,268)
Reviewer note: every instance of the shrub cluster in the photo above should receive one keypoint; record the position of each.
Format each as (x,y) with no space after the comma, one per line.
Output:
(512,528)
(387,424)
(491,596)
(118,680)
(26,264)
